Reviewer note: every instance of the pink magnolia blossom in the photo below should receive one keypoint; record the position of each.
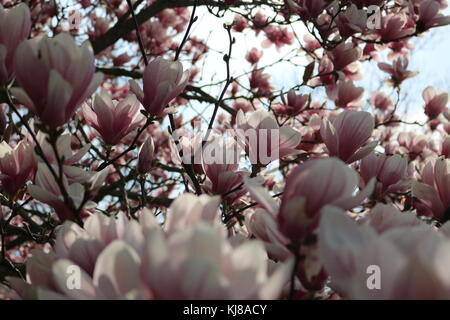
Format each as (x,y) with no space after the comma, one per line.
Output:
(163,81)
(262,224)
(113,120)
(384,217)
(344,54)
(435,102)
(260,82)
(16,165)
(351,21)
(433,191)
(345,135)
(295,103)
(390,172)
(308,9)
(15,25)
(262,137)
(253,56)
(188,210)
(278,36)
(309,187)
(326,71)
(66,74)
(345,94)
(412,143)
(429,16)
(399,49)
(311,44)
(313,185)
(394,27)
(381,101)
(220,163)
(240,23)
(398,71)
(189,149)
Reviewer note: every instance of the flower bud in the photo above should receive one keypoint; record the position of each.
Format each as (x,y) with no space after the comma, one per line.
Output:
(146,153)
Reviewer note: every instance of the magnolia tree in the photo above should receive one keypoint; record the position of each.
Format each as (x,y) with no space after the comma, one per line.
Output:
(113,188)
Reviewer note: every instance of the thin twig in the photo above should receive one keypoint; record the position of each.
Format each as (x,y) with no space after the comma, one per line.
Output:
(138,34)
(226,58)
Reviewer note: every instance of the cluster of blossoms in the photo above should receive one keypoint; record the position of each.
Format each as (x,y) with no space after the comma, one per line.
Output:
(111,189)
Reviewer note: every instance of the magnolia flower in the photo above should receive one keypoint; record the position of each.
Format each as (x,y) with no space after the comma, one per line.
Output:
(435,102)
(384,217)
(398,71)
(390,172)
(381,101)
(309,187)
(189,148)
(313,185)
(16,165)
(433,191)
(253,56)
(412,143)
(188,209)
(47,190)
(263,139)
(260,82)
(220,163)
(429,16)
(146,155)
(66,77)
(15,25)
(278,36)
(308,9)
(400,263)
(394,26)
(262,224)
(295,103)
(120,259)
(345,135)
(345,94)
(344,54)
(351,21)
(163,81)
(113,120)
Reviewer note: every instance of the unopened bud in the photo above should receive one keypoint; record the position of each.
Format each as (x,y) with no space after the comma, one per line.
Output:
(145,158)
